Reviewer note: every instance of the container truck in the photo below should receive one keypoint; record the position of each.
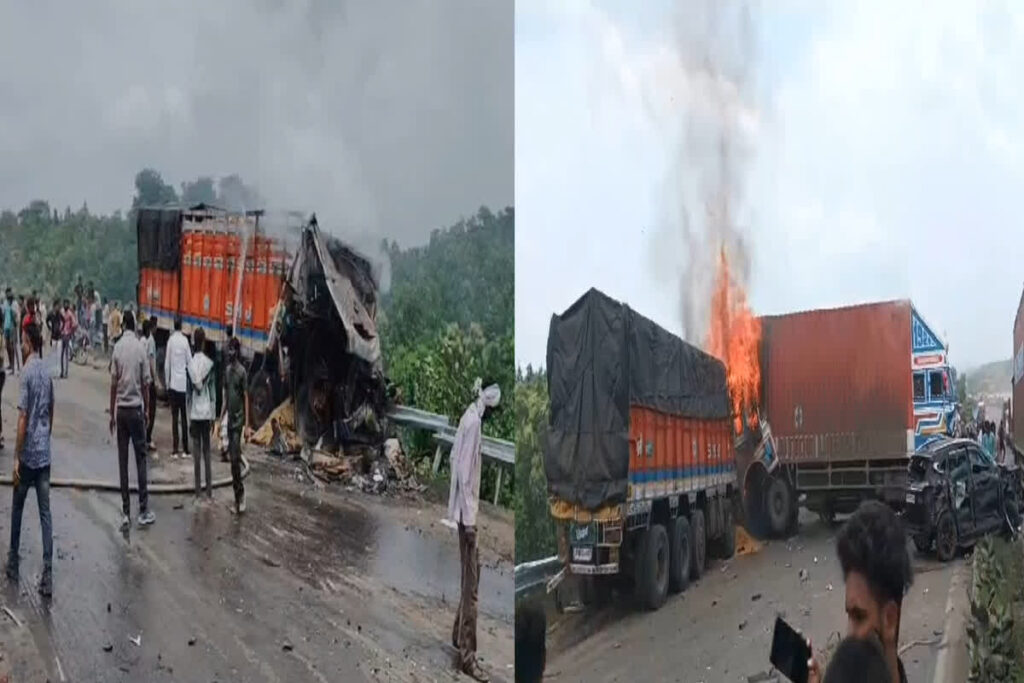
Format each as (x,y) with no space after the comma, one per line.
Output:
(639,460)
(218,270)
(849,393)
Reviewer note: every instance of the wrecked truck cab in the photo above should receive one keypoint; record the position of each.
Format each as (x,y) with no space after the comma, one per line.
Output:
(325,334)
(956,494)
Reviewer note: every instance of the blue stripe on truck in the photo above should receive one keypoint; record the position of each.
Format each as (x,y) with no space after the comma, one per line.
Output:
(203,322)
(678,473)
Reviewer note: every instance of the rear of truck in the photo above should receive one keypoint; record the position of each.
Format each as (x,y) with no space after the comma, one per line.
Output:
(640,461)
(842,391)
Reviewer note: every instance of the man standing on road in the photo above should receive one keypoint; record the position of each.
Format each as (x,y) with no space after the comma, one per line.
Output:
(129,399)
(115,323)
(463,503)
(236,410)
(872,550)
(200,375)
(176,358)
(32,454)
(149,340)
(68,324)
(31,317)
(10,313)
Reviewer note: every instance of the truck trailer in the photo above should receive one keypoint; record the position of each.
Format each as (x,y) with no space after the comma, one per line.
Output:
(1017,396)
(850,393)
(218,270)
(639,461)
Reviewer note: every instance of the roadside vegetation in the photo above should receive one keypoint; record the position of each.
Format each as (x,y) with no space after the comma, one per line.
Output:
(995,631)
(535,531)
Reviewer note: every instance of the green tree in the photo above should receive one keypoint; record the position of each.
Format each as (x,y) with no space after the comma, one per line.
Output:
(199,191)
(535,530)
(151,190)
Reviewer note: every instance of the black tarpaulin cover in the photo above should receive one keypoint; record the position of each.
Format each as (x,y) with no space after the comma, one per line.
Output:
(602,357)
(159,235)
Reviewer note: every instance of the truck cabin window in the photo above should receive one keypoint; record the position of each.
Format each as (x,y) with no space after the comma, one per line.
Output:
(937,386)
(918,386)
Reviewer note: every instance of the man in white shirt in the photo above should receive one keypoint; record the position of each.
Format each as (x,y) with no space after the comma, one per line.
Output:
(463,503)
(176,362)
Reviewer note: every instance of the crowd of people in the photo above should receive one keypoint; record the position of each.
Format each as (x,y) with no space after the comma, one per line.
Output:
(189,375)
(993,439)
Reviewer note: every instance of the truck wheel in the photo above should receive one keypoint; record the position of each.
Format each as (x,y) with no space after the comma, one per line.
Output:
(779,503)
(699,541)
(679,554)
(945,537)
(260,399)
(727,542)
(652,568)
(922,542)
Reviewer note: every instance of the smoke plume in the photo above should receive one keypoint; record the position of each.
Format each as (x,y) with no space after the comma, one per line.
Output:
(705,210)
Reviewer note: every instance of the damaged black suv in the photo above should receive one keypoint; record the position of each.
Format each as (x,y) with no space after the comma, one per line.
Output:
(957,494)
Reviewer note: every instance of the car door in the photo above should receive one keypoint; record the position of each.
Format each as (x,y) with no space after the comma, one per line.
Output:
(985,491)
(958,467)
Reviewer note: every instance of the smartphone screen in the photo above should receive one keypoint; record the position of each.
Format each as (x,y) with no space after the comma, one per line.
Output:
(789,652)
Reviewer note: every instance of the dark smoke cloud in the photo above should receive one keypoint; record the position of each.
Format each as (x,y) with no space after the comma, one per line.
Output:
(704,188)
(387,118)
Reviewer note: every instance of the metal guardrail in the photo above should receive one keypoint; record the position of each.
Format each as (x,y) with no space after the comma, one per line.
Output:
(500,450)
(534,576)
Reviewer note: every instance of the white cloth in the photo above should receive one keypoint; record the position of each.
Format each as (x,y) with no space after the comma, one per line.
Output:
(176,362)
(200,372)
(464,493)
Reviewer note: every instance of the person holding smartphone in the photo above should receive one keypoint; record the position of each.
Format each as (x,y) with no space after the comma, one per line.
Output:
(872,550)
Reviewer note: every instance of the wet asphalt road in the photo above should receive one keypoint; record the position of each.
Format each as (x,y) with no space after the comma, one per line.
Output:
(720,629)
(309,585)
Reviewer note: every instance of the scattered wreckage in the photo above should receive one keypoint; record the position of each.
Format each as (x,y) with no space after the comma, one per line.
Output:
(956,494)
(324,340)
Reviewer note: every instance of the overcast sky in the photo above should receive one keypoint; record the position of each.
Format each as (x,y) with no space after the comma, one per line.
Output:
(887,162)
(391,117)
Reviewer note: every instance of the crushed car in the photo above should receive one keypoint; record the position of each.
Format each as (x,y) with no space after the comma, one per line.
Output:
(956,494)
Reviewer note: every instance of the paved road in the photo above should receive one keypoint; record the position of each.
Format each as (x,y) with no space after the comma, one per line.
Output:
(720,628)
(310,585)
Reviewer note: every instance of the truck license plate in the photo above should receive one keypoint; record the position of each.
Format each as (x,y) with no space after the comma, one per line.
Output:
(910,497)
(582,554)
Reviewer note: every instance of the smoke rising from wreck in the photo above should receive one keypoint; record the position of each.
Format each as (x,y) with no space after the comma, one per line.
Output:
(705,212)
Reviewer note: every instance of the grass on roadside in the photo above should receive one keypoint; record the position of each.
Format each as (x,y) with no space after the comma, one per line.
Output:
(996,628)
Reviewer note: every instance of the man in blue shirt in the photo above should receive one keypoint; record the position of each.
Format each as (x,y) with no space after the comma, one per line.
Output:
(32,453)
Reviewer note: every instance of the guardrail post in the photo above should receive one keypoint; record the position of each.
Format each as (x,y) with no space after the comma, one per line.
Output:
(497,487)
(437,457)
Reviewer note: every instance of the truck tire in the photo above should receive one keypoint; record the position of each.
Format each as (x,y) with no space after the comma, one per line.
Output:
(923,543)
(698,544)
(652,568)
(261,397)
(779,505)
(679,541)
(945,537)
(727,541)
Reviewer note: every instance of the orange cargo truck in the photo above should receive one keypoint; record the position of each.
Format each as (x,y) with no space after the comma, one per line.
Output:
(639,462)
(210,268)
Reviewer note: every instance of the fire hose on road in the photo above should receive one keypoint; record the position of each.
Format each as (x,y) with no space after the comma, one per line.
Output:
(98,485)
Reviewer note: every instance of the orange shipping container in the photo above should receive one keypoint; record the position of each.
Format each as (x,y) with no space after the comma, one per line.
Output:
(206,279)
(247,285)
(259,317)
(217,279)
(187,272)
(194,287)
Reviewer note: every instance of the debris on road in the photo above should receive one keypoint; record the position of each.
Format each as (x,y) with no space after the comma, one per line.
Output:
(287,647)
(743,624)
(803,575)
(108,647)
(745,543)
(191,641)
(136,640)
(755,597)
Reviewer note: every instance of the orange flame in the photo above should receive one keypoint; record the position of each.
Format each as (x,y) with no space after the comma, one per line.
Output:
(734,337)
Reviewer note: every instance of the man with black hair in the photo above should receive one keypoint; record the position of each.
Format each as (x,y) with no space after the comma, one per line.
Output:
(32,453)
(872,550)
(10,315)
(129,399)
(531,651)
(176,360)
(463,503)
(236,412)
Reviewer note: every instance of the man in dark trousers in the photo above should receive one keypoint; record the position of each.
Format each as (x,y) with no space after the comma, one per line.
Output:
(236,408)
(129,399)
(176,358)
(463,503)
(32,453)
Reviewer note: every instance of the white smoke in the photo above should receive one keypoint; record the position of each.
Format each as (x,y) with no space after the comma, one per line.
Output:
(705,209)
